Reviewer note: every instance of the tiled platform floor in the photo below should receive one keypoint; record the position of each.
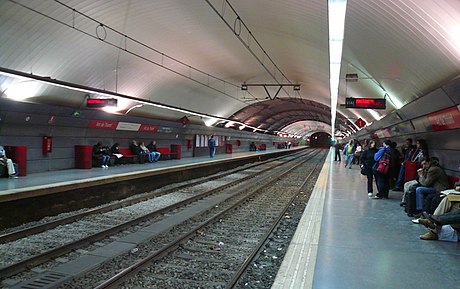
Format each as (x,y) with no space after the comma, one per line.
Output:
(363,243)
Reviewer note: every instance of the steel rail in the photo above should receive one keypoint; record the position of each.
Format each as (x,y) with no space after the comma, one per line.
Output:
(20,266)
(127,273)
(16,235)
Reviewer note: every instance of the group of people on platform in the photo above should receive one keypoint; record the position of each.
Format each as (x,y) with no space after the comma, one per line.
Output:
(428,196)
(104,153)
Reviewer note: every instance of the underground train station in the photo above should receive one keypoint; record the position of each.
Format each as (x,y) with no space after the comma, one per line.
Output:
(229,144)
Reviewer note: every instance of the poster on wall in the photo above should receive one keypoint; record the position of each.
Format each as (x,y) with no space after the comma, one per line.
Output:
(448,118)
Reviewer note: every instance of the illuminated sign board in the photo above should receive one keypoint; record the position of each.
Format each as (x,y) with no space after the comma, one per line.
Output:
(101,102)
(365,103)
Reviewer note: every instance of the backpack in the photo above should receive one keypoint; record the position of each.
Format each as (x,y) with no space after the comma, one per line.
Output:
(383,165)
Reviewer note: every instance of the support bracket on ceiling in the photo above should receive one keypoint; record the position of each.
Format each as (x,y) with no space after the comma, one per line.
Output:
(296,87)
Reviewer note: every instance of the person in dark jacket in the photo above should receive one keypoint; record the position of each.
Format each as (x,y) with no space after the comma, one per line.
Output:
(407,151)
(367,162)
(100,152)
(338,150)
(152,146)
(115,151)
(396,160)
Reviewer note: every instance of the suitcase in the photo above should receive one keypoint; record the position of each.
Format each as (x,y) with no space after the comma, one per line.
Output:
(410,208)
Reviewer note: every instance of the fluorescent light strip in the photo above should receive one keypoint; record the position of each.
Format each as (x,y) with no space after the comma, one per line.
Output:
(337,10)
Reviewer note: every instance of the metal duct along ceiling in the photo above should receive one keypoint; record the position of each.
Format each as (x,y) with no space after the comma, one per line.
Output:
(195,55)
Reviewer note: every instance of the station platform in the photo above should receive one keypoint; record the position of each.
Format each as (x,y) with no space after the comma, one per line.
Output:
(347,240)
(41,184)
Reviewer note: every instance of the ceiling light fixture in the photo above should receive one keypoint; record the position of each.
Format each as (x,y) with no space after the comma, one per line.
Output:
(337,10)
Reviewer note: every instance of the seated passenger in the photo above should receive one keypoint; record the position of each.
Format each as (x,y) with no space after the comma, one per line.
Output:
(8,163)
(134,147)
(252,147)
(152,146)
(432,180)
(439,223)
(145,151)
(102,153)
(115,151)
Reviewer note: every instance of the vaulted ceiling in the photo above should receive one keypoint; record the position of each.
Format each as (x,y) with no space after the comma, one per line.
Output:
(194,56)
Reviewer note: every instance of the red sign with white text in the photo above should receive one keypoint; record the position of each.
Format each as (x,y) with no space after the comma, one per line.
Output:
(448,118)
(149,128)
(103,124)
(360,123)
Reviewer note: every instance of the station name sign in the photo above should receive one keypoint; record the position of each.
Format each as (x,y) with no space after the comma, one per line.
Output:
(365,103)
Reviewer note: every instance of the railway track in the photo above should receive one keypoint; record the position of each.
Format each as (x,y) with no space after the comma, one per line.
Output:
(202,191)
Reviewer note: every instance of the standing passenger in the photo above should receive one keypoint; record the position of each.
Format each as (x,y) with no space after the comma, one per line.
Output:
(338,149)
(367,161)
(349,153)
(212,146)
(383,180)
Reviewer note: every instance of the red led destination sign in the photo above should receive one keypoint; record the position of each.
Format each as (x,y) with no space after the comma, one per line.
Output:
(365,103)
(101,102)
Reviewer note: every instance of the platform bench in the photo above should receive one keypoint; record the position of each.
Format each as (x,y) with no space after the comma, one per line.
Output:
(166,153)
(128,155)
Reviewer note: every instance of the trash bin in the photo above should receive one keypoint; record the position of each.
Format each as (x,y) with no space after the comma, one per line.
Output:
(228,148)
(176,149)
(83,157)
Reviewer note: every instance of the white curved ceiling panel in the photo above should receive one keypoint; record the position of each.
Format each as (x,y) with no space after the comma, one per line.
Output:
(183,53)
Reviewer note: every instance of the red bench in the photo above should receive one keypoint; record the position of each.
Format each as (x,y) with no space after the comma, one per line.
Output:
(167,153)
(452,181)
(262,147)
(128,155)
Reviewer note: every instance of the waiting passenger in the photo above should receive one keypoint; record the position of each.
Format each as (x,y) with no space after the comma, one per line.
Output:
(421,151)
(407,151)
(383,183)
(212,146)
(367,162)
(432,180)
(152,146)
(252,147)
(358,150)
(145,151)
(396,159)
(348,153)
(338,149)
(115,151)
(102,153)
(8,163)
(439,223)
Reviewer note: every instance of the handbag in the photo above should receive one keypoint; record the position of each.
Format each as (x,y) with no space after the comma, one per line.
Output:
(383,165)
(364,170)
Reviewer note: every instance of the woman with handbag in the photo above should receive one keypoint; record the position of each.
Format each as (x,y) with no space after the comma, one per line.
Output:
(367,162)
(382,169)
